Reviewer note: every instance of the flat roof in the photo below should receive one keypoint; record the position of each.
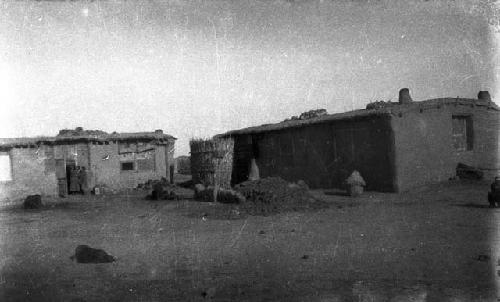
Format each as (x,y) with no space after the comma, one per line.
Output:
(73,136)
(386,109)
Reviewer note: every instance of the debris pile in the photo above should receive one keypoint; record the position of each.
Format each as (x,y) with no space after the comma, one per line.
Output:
(468,172)
(148,185)
(79,131)
(274,195)
(160,189)
(163,191)
(266,196)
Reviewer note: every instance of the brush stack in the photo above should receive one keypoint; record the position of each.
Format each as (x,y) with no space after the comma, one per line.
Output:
(212,162)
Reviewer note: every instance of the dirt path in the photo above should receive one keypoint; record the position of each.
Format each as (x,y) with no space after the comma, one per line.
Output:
(436,243)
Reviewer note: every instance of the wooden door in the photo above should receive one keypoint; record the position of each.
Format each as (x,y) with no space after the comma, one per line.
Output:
(60,169)
(61,177)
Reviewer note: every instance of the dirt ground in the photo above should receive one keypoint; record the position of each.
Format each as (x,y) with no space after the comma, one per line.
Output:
(433,244)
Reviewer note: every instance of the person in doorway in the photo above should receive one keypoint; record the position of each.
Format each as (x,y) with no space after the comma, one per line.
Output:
(83,181)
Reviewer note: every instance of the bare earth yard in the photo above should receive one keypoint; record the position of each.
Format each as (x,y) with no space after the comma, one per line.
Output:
(432,244)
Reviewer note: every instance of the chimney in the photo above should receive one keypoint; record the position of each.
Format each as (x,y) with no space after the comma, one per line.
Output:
(158,131)
(484,96)
(404,96)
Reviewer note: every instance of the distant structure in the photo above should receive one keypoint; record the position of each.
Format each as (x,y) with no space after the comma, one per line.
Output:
(183,164)
(394,145)
(116,161)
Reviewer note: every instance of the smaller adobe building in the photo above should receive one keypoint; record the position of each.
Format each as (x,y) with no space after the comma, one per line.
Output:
(394,145)
(117,161)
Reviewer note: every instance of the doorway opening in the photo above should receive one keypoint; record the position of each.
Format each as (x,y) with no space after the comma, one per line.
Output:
(70,166)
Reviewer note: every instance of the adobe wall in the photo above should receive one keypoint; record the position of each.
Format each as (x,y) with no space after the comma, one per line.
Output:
(33,169)
(79,153)
(424,144)
(105,165)
(324,155)
(30,174)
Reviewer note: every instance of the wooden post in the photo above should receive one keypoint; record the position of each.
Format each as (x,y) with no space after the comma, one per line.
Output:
(171,174)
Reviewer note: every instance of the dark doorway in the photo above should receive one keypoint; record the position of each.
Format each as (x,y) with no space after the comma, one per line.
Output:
(70,165)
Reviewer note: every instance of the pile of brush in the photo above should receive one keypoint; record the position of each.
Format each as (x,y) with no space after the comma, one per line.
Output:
(274,195)
(162,190)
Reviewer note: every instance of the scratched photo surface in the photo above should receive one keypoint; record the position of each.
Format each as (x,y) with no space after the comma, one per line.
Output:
(254,150)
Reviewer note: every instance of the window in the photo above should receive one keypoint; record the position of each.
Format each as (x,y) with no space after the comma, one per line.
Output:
(127,166)
(462,132)
(5,167)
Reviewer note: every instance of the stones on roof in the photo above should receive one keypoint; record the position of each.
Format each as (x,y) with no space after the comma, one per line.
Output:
(380,104)
(79,134)
(379,108)
(308,115)
(78,131)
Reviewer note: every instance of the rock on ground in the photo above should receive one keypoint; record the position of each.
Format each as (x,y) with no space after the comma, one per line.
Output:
(33,202)
(86,254)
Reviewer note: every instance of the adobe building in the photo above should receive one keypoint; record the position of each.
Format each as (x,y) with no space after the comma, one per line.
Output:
(116,161)
(394,145)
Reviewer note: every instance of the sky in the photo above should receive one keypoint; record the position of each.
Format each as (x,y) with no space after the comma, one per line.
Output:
(199,68)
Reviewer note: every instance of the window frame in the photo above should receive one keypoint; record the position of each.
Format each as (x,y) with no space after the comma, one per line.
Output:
(467,134)
(128,162)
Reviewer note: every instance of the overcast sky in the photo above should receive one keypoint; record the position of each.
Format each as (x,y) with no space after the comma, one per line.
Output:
(198,68)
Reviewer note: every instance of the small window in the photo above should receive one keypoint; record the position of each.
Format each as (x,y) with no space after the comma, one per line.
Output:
(127,166)
(462,133)
(5,167)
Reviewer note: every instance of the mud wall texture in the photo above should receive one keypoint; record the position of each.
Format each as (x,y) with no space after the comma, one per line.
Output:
(425,148)
(33,169)
(32,172)
(149,162)
(323,155)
